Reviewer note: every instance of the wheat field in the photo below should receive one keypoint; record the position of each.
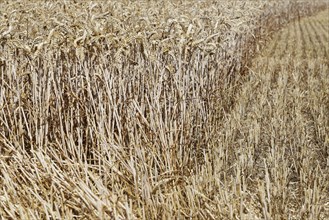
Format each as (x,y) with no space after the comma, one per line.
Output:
(164,109)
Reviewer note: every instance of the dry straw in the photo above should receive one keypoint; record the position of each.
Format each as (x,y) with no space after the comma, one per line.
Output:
(135,110)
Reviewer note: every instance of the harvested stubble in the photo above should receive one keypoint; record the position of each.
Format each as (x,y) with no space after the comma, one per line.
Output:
(283,114)
(123,109)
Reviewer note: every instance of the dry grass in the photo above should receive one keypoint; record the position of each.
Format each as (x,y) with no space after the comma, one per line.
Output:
(147,110)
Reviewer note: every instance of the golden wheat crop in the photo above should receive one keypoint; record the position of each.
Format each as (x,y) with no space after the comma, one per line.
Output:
(158,110)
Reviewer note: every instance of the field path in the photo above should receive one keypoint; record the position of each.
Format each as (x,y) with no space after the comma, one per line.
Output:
(283,112)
